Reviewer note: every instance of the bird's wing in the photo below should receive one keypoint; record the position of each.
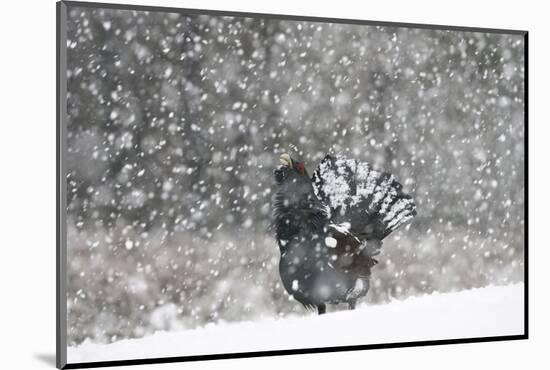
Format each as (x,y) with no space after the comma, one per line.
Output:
(348,252)
(371,201)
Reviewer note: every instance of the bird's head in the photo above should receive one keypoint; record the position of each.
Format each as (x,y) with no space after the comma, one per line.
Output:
(295,201)
(289,170)
(294,185)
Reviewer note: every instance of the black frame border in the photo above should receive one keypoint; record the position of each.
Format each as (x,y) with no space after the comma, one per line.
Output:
(61,241)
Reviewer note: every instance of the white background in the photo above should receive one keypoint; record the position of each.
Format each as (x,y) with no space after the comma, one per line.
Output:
(27,186)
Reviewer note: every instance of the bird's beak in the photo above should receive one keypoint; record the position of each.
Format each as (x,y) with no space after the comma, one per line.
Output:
(285,160)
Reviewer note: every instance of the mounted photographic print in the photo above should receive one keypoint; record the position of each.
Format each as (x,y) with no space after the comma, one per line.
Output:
(237,184)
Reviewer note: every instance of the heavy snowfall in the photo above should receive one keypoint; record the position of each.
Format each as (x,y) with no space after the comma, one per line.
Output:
(175,124)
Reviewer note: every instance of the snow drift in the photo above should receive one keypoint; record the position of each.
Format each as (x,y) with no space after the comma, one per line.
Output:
(491,311)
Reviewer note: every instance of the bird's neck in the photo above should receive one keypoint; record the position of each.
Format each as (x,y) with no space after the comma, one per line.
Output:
(290,222)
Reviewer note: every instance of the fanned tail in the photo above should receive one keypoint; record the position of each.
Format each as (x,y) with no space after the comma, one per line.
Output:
(372,200)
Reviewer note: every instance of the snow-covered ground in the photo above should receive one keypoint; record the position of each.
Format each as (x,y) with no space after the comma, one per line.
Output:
(491,311)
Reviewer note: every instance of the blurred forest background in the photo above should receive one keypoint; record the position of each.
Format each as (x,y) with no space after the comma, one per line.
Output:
(176,122)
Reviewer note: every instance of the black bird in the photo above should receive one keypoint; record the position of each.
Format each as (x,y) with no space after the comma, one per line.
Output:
(330,227)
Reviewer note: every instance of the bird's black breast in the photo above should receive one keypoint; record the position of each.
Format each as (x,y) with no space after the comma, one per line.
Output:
(307,271)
